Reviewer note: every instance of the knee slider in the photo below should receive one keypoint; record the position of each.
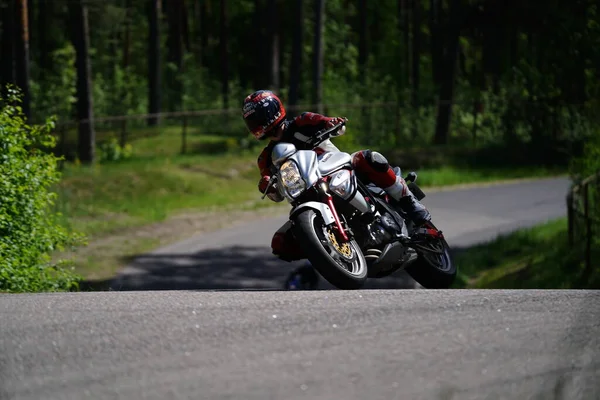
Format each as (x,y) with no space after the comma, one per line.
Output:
(377,161)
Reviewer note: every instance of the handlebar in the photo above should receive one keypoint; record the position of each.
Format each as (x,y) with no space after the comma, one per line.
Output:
(325,134)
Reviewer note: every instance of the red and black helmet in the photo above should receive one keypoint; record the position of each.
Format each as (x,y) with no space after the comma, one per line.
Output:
(262,111)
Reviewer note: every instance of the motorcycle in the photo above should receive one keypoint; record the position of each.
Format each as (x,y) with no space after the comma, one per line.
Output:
(350,230)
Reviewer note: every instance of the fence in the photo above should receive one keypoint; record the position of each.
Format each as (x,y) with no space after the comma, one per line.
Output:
(184,126)
(389,125)
(583,208)
(372,123)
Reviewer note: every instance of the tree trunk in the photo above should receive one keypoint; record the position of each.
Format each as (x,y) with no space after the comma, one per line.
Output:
(318,55)
(85,114)
(44,45)
(127,36)
(185,26)
(273,43)
(7,45)
(448,75)
(416,58)
(257,62)
(362,41)
(437,51)
(175,54)
(406,17)
(22,54)
(296,60)
(204,30)
(224,55)
(154,65)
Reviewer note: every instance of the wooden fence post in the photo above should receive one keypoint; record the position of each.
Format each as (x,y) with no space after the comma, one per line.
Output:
(570,216)
(588,231)
(184,136)
(123,133)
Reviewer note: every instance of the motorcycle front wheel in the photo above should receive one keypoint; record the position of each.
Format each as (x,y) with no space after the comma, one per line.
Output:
(341,264)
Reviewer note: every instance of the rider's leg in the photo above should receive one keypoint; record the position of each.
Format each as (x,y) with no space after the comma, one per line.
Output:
(377,169)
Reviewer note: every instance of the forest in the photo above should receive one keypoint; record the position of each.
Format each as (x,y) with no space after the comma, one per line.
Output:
(460,90)
(515,74)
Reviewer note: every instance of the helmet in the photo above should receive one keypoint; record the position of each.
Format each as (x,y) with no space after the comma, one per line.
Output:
(262,112)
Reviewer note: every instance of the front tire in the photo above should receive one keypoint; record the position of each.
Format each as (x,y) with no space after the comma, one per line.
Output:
(343,266)
(431,270)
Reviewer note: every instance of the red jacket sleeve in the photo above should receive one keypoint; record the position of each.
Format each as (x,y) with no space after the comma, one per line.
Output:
(264,161)
(312,119)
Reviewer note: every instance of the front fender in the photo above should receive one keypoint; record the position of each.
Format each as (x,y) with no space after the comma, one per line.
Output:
(321,208)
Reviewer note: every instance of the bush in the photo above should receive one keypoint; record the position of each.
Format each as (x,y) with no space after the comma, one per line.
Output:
(29,230)
(589,162)
(111,150)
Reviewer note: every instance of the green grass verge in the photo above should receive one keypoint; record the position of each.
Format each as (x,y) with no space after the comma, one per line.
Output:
(537,257)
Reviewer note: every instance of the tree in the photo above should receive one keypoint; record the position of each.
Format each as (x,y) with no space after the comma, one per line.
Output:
(448,75)
(176,15)
(22,53)
(416,59)
(273,43)
(296,59)
(154,65)
(224,54)
(85,106)
(7,44)
(362,40)
(318,55)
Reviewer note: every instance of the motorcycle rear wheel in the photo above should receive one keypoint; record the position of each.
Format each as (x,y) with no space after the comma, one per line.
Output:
(344,266)
(433,270)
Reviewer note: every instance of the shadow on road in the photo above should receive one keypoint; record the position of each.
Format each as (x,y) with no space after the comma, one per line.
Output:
(237,267)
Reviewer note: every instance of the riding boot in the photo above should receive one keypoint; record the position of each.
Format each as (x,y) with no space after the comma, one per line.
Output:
(400,192)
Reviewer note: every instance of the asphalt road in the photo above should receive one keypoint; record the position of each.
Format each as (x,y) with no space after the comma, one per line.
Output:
(324,344)
(371,344)
(240,257)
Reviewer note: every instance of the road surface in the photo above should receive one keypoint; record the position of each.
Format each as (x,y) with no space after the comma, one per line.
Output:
(369,344)
(323,344)
(240,257)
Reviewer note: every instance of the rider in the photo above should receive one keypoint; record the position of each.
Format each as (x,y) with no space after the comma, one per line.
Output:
(265,117)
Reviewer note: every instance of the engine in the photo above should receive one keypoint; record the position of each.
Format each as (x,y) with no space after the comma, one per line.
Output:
(380,231)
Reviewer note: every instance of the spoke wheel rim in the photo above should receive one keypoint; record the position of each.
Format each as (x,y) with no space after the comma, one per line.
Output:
(344,254)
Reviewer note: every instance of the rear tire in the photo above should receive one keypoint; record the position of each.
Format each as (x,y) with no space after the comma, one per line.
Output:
(434,271)
(341,272)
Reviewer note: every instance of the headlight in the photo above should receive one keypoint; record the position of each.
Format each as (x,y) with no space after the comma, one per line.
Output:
(291,179)
(342,184)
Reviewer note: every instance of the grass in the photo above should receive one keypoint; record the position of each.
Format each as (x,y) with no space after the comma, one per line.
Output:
(451,175)
(120,199)
(107,197)
(533,258)
(101,199)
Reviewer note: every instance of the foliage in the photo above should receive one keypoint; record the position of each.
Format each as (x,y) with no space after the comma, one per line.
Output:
(111,150)
(589,162)
(53,92)
(532,258)
(531,82)
(29,231)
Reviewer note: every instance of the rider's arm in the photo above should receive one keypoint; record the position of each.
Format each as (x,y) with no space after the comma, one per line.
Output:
(308,124)
(264,161)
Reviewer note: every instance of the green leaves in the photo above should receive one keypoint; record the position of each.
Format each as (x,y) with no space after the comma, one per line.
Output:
(29,231)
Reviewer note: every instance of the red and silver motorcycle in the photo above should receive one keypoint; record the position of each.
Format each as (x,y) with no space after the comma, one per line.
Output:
(350,230)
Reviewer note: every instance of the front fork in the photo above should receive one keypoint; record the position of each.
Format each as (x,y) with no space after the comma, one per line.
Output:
(328,199)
